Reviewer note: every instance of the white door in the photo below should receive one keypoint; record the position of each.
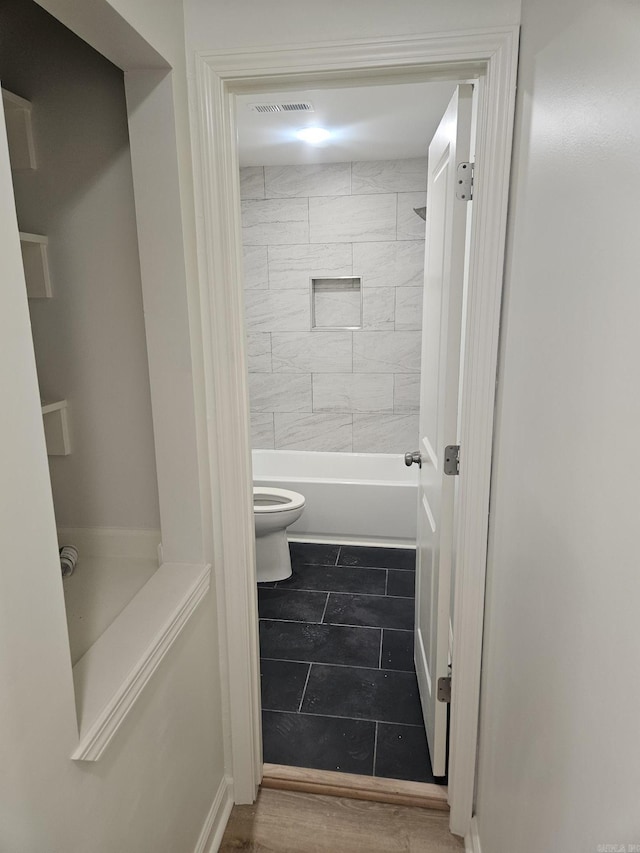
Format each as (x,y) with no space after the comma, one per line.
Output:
(441,340)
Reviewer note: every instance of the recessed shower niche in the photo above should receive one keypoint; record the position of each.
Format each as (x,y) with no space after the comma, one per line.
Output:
(336,303)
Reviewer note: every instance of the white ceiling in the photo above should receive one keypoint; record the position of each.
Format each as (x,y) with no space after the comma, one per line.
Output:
(390,122)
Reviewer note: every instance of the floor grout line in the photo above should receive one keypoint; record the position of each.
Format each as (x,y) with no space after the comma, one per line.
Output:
(339,665)
(381,641)
(304,689)
(342,592)
(369,568)
(334,624)
(338,592)
(324,612)
(342,717)
(402,630)
(357,568)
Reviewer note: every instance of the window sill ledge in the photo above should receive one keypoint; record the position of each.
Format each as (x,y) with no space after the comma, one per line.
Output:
(110,676)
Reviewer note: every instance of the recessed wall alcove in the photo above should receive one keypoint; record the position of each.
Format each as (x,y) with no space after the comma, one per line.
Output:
(103,273)
(336,303)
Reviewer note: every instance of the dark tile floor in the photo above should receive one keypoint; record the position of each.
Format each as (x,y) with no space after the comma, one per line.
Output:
(339,689)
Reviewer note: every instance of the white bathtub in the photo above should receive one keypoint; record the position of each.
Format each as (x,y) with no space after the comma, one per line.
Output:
(361,498)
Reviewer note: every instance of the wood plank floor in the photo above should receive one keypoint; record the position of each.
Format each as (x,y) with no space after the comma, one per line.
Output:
(295,822)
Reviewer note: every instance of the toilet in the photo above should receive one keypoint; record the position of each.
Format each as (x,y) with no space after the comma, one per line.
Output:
(274,510)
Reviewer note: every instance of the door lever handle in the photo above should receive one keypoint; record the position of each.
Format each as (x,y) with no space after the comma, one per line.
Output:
(410,458)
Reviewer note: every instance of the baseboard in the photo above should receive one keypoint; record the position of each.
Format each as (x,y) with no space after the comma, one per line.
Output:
(472,839)
(318,539)
(216,821)
(374,789)
(141,544)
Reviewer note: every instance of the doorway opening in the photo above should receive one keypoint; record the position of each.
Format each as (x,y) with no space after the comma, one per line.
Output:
(334,258)
(489,59)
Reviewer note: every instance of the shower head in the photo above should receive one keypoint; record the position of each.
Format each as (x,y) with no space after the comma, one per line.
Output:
(421,211)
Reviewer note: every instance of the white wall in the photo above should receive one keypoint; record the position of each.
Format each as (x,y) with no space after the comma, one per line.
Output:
(151,791)
(89,338)
(218,24)
(559,767)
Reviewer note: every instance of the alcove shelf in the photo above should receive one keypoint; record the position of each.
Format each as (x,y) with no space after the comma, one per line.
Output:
(56,428)
(17,114)
(336,303)
(35,261)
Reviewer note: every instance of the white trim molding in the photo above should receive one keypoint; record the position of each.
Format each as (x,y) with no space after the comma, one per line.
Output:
(216,822)
(112,674)
(352,540)
(472,839)
(489,56)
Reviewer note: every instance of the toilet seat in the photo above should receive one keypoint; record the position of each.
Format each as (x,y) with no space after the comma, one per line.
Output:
(275,500)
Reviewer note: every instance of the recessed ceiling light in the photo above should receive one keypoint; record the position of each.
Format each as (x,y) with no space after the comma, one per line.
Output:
(313,134)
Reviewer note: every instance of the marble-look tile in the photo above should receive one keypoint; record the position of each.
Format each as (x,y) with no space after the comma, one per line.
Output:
(293,266)
(389,176)
(262,431)
(275,392)
(378,308)
(353,392)
(386,352)
(384,433)
(410,225)
(409,307)
(312,352)
(259,352)
(346,219)
(337,303)
(406,392)
(313,432)
(389,264)
(275,221)
(278,310)
(410,263)
(254,264)
(315,180)
(376,264)
(251,182)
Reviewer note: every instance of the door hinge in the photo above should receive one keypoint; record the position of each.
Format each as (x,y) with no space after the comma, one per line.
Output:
(464,181)
(452,460)
(444,689)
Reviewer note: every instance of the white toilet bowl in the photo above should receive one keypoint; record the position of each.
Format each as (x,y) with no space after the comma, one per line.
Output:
(274,510)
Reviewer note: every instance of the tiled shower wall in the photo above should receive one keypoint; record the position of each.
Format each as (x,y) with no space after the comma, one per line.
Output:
(334,390)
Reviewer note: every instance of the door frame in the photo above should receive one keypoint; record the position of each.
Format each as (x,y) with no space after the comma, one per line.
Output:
(490,58)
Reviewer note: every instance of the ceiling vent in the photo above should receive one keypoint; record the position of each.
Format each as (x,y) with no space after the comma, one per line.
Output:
(301,107)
